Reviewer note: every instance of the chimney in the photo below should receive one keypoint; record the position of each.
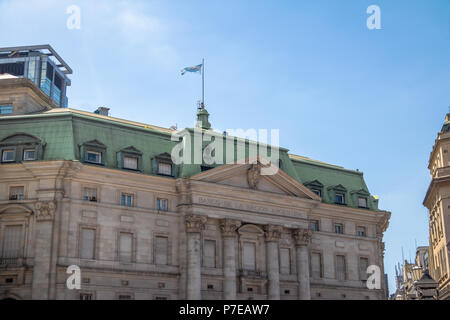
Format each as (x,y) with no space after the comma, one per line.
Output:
(103,111)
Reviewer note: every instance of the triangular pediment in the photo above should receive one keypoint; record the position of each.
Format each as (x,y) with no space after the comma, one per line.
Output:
(95,143)
(245,176)
(131,149)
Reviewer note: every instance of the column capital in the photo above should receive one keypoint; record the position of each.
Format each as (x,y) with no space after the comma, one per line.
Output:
(195,222)
(229,227)
(302,236)
(272,232)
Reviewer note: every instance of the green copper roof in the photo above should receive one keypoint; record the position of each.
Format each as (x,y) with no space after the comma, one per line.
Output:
(65,130)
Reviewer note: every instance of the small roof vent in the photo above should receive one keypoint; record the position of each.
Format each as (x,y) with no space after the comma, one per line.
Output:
(103,111)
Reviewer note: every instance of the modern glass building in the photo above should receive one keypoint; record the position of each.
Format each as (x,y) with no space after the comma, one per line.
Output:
(42,65)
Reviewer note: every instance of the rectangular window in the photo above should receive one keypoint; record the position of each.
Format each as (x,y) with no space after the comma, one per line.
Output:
(209,254)
(130,163)
(249,256)
(363,265)
(127,200)
(314,225)
(29,154)
(161,250)
(85,296)
(285,261)
(316,265)
(90,194)
(12,242)
(165,168)
(338,228)
(87,243)
(317,191)
(8,109)
(16,193)
(161,204)
(361,231)
(340,198)
(14,68)
(94,157)
(340,268)
(125,247)
(362,202)
(125,297)
(8,155)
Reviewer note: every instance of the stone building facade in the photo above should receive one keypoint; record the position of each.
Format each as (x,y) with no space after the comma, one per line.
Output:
(85,189)
(437,201)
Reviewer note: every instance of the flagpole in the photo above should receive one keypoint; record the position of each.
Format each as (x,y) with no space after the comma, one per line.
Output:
(203,83)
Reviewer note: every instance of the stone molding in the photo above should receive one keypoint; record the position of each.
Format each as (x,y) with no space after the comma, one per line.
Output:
(302,236)
(229,227)
(272,232)
(195,222)
(45,210)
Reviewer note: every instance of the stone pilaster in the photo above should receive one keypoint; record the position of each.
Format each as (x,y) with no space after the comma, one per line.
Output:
(228,228)
(44,213)
(272,234)
(301,237)
(194,226)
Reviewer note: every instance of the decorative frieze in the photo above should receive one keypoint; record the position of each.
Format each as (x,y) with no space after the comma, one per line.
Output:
(229,227)
(272,233)
(236,205)
(302,236)
(45,210)
(195,222)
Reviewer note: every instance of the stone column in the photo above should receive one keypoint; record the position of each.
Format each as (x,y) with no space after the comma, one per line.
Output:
(194,226)
(272,234)
(302,237)
(228,228)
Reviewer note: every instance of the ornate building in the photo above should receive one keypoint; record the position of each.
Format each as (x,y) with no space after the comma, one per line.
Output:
(413,281)
(437,201)
(101,193)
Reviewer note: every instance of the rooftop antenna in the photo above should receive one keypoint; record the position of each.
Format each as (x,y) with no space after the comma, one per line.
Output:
(403,256)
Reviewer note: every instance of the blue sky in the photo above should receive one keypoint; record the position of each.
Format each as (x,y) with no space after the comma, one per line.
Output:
(339,92)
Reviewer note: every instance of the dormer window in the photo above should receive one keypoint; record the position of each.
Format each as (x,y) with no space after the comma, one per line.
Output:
(8,155)
(315,186)
(94,157)
(360,198)
(29,154)
(362,202)
(21,147)
(163,165)
(130,163)
(93,152)
(165,168)
(129,158)
(340,198)
(338,194)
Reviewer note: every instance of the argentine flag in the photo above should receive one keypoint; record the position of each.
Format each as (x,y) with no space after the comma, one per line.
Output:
(192,69)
